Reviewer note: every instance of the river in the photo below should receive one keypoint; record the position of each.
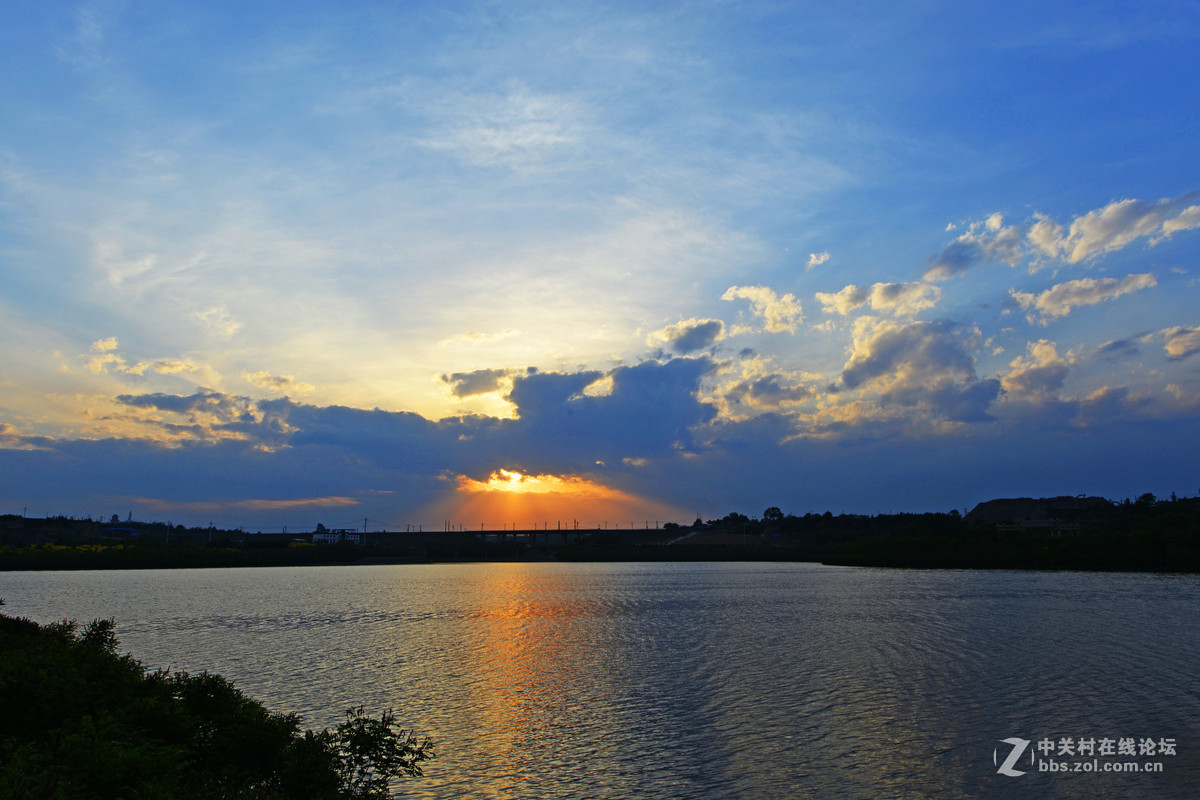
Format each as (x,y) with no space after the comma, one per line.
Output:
(698,680)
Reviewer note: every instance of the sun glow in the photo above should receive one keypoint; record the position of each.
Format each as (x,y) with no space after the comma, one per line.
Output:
(505,480)
(509,497)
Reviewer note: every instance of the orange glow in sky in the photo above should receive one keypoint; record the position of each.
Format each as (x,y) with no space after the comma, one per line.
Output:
(511,498)
(505,480)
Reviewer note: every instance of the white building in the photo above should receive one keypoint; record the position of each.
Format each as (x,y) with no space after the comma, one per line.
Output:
(339,535)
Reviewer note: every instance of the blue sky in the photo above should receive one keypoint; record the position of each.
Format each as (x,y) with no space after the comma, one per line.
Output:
(270,264)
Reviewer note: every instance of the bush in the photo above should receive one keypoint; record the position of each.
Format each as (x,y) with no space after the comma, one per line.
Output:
(79,721)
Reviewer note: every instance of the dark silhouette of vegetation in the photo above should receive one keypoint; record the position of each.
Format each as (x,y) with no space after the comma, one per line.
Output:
(1145,534)
(1139,535)
(80,721)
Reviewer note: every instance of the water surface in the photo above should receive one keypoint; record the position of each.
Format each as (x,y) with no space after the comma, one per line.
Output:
(690,680)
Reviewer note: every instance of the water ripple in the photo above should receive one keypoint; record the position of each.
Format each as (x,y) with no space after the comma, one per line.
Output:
(688,680)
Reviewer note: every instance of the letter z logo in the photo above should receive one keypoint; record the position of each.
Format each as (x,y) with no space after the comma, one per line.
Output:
(1018,749)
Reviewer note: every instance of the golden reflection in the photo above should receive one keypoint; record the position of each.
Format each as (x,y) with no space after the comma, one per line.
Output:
(525,662)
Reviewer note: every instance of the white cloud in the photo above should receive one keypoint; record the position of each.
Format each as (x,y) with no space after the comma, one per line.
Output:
(104,358)
(1089,236)
(1182,342)
(1186,220)
(903,299)
(781,314)
(920,364)
(915,350)
(1113,227)
(817,259)
(844,301)
(1060,300)
(1039,374)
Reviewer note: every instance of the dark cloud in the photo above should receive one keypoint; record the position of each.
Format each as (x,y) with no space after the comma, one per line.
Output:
(647,432)
(649,411)
(481,381)
(1109,404)
(1119,348)
(223,407)
(698,337)
(955,259)
(767,392)
(968,403)
(1043,380)
(689,336)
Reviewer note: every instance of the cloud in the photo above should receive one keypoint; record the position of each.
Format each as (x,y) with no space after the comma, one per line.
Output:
(1114,227)
(902,299)
(690,335)
(926,364)
(985,241)
(844,301)
(650,411)
(1039,375)
(1089,235)
(1109,403)
(277,383)
(480,381)
(767,393)
(203,404)
(475,337)
(105,358)
(780,314)
(517,128)
(1186,220)
(817,259)
(163,366)
(1119,348)
(1060,300)
(921,348)
(1182,342)
(255,504)
(11,438)
(218,322)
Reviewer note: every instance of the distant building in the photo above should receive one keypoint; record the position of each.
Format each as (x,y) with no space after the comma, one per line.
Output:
(336,536)
(1052,515)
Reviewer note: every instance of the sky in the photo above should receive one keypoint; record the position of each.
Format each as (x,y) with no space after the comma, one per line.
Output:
(466,264)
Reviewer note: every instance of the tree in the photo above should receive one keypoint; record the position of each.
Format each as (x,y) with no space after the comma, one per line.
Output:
(772,514)
(77,720)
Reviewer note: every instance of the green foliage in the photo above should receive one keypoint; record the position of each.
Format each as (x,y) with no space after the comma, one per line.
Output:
(80,721)
(370,750)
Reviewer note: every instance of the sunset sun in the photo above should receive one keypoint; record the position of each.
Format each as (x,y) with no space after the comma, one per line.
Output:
(511,498)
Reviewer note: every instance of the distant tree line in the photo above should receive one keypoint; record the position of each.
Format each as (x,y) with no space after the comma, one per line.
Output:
(1135,534)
